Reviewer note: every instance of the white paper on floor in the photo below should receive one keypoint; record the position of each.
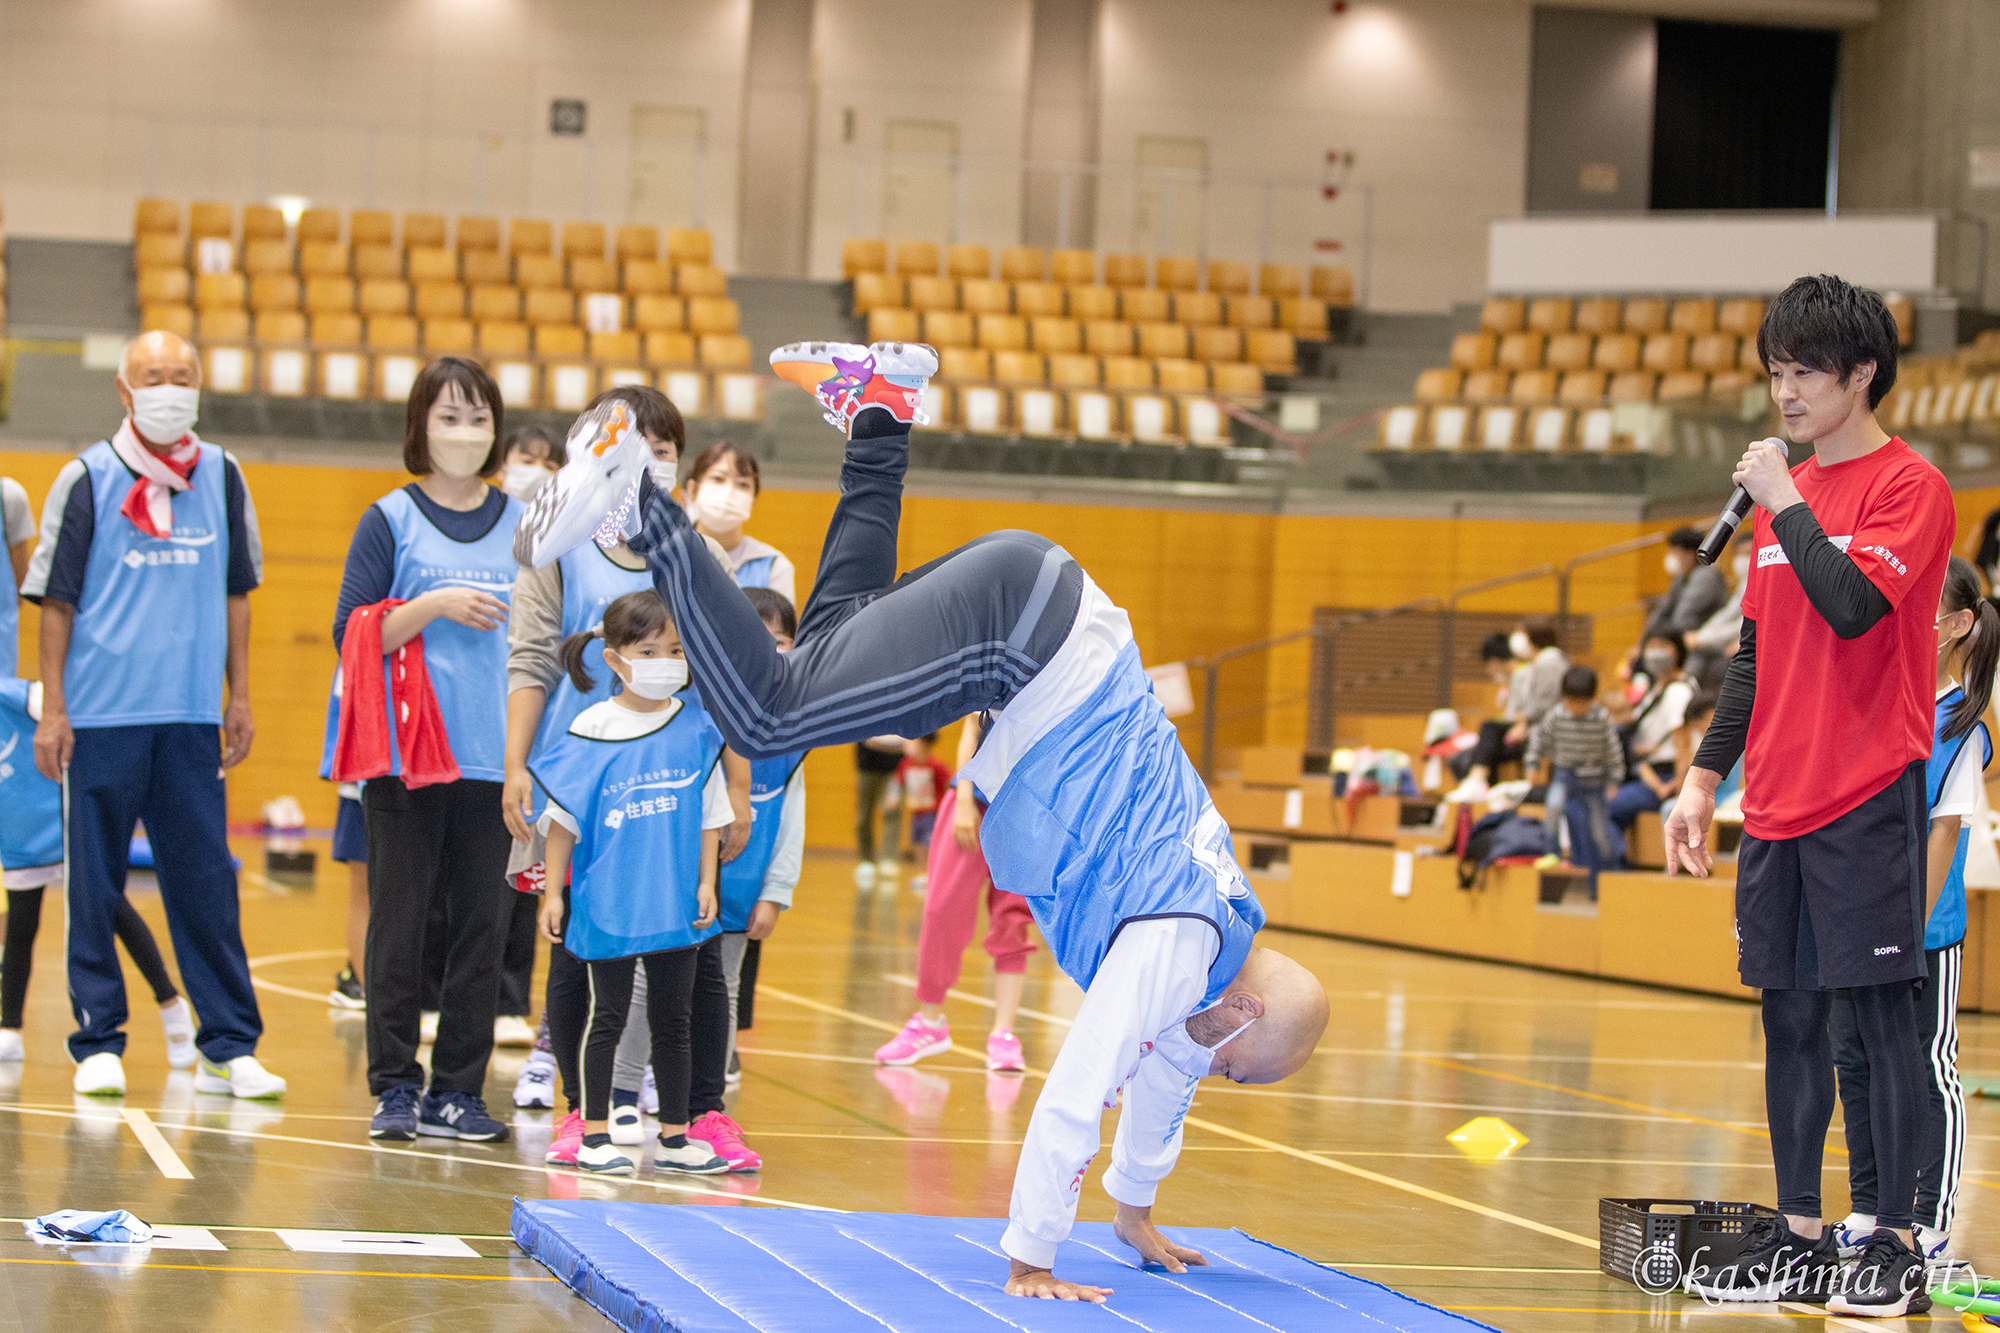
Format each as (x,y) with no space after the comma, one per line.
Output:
(377,1242)
(185,1238)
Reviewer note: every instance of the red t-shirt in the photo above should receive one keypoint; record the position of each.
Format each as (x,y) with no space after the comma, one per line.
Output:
(924,781)
(1836,720)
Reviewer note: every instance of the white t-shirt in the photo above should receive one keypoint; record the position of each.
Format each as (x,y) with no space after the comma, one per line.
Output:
(1959,793)
(17,517)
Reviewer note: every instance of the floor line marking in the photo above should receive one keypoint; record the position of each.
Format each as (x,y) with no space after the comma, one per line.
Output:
(303,956)
(1590,1096)
(1318,1159)
(306,1272)
(156,1147)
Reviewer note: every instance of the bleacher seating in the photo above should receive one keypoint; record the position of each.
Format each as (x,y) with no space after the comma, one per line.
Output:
(1947,397)
(345,309)
(1072,342)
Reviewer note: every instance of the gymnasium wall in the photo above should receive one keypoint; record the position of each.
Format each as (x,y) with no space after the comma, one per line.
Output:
(1194,583)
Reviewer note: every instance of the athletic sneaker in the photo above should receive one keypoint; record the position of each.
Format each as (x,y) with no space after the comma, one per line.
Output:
(725,1136)
(177,1021)
(624,1124)
(100,1075)
(396,1113)
(1887,1280)
(567,1142)
(1935,1246)
(917,1040)
(458,1115)
(864,875)
(847,377)
(1776,1264)
(346,992)
(1003,1053)
(1852,1232)
(887,868)
(695,1157)
(535,1089)
(649,1094)
(604,1160)
(241,1077)
(11,1047)
(512,1030)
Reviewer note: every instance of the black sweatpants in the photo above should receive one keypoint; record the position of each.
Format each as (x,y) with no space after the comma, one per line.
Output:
(875,653)
(448,842)
(566,1008)
(24,919)
(1941,1137)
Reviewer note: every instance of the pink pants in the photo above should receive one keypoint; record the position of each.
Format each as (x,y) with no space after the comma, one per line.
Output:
(951,912)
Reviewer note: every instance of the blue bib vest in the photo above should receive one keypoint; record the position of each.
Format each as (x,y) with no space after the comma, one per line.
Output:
(10,636)
(31,815)
(740,882)
(591,582)
(1104,821)
(152,628)
(467,667)
(1947,921)
(755,573)
(637,804)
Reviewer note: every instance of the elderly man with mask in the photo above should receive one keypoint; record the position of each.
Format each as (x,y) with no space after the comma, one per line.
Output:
(147,556)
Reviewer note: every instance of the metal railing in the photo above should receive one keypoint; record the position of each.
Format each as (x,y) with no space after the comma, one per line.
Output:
(1329,634)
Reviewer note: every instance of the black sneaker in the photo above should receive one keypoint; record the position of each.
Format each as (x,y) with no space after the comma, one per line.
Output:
(458,1115)
(396,1114)
(1776,1264)
(1887,1280)
(346,992)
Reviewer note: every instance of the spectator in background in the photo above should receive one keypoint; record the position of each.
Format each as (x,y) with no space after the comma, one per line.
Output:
(17,523)
(875,763)
(920,779)
(533,455)
(1532,690)
(1712,645)
(1696,593)
(1579,743)
(1650,732)
(721,489)
(148,554)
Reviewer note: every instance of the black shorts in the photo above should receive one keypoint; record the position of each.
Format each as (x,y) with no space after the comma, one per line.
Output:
(1842,905)
(350,833)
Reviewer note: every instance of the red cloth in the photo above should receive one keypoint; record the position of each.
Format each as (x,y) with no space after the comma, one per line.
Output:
(361,744)
(149,504)
(923,782)
(1837,720)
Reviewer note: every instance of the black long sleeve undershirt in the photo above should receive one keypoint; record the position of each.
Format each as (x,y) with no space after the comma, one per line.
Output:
(1850,604)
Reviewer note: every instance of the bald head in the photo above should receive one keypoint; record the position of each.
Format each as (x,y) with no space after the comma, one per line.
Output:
(1285,1010)
(158,357)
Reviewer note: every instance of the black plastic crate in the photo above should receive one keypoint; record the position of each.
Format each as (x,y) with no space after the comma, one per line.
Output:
(1637,1236)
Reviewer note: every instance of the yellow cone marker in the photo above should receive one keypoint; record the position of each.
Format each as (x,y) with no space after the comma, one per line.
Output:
(1487,1138)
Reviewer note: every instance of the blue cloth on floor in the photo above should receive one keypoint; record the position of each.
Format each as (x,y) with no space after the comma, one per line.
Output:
(657,1267)
(69,1225)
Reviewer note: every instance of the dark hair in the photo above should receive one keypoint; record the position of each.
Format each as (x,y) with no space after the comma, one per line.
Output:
(477,386)
(1981,647)
(1493,648)
(1834,326)
(745,462)
(1680,646)
(1579,682)
(521,436)
(652,412)
(774,606)
(626,621)
(1540,632)
(1685,539)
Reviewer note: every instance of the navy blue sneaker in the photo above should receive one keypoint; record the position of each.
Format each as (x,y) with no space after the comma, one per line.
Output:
(458,1115)
(396,1114)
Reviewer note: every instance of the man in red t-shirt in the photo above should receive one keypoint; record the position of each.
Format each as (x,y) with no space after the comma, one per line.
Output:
(1830,705)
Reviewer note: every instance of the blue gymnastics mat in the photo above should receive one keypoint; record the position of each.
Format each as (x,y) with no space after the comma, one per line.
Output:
(655,1268)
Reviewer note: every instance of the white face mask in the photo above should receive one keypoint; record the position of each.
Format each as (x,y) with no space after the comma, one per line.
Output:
(653,678)
(722,506)
(459,451)
(1517,644)
(164,412)
(522,480)
(663,473)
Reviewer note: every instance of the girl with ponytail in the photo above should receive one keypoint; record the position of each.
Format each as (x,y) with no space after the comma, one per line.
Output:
(1968,650)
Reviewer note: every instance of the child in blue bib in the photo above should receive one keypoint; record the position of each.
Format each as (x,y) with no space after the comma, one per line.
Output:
(636,807)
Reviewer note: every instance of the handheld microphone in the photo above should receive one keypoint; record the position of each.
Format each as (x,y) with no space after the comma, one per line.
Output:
(1739,507)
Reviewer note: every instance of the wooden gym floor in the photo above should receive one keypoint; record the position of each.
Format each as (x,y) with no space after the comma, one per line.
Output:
(1618,1090)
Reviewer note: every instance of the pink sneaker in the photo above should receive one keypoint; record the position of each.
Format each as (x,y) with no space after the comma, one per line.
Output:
(725,1137)
(568,1141)
(917,1040)
(1003,1053)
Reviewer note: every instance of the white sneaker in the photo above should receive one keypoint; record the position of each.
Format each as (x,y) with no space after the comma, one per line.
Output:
(604,1161)
(427,1027)
(535,1090)
(594,492)
(177,1020)
(888,867)
(512,1030)
(100,1075)
(241,1077)
(1470,790)
(624,1126)
(1851,1233)
(649,1094)
(11,1046)
(696,1159)
(1935,1247)
(864,875)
